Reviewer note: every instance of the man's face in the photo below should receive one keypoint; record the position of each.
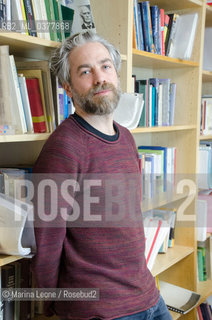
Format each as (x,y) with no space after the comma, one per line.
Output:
(85,14)
(94,85)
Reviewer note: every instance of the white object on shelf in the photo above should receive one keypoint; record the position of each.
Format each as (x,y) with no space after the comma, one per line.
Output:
(129,109)
(16,227)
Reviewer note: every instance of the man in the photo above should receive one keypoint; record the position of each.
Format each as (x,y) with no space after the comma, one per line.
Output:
(71,253)
(86,16)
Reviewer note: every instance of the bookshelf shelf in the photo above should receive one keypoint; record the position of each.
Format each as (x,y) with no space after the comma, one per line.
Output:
(24,137)
(114,20)
(208,21)
(176,5)
(173,255)
(27,46)
(161,200)
(175,315)
(209,137)
(150,60)
(204,288)
(5,259)
(206,76)
(163,129)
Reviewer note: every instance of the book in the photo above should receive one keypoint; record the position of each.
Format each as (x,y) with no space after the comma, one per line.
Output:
(201,219)
(172,99)
(177,298)
(143,89)
(207,115)
(17,16)
(207,51)
(206,311)
(155,231)
(139,26)
(205,167)
(18,103)
(182,46)
(36,106)
(201,262)
(207,245)
(154,10)
(30,18)
(172,28)
(26,104)
(36,7)
(8,282)
(9,120)
(147,27)
(67,15)
(83,18)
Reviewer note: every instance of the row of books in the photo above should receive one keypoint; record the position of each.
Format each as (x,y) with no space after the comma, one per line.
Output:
(157,166)
(204,259)
(159,228)
(205,165)
(204,214)
(160,33)
(159,97)
(47,19)
(32,100)
(206,116)
(16,275)
(204,310)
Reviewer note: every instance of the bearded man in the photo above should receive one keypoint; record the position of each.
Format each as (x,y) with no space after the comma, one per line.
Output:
(87,245)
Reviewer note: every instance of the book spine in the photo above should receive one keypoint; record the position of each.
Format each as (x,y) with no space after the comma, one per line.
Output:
(8,281)
(155,26)
(30,18)
(162,18)
(18,94)
(36,107)
(24,15)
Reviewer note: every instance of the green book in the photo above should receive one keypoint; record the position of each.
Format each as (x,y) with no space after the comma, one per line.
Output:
(50,17)
(200,264)
(57,20)
(67,15)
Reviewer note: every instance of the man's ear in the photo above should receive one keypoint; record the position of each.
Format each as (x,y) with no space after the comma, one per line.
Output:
(67,89)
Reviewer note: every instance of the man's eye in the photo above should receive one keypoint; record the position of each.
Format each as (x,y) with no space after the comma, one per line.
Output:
(106,66)
(85,72)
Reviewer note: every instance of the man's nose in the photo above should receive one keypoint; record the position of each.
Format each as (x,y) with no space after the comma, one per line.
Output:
(98,77)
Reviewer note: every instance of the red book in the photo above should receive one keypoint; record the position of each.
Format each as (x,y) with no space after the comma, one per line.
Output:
(162,18)
(36,106)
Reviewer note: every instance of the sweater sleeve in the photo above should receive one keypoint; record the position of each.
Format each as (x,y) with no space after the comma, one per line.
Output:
(49,172)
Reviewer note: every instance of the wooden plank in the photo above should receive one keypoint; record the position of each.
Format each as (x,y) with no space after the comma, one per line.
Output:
(173,255)
(150,60)
(5,259)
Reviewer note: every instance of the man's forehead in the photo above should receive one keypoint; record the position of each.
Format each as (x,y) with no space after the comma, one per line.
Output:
(89,51)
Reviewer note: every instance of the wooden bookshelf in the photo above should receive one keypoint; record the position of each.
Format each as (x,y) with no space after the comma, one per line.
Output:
(5,259)
(24,137)
(167,260)
(204,289)
(114,20)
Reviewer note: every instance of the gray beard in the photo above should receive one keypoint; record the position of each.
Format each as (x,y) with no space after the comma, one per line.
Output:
(97,105)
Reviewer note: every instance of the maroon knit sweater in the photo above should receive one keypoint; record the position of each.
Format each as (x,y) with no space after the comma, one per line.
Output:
(109,258)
